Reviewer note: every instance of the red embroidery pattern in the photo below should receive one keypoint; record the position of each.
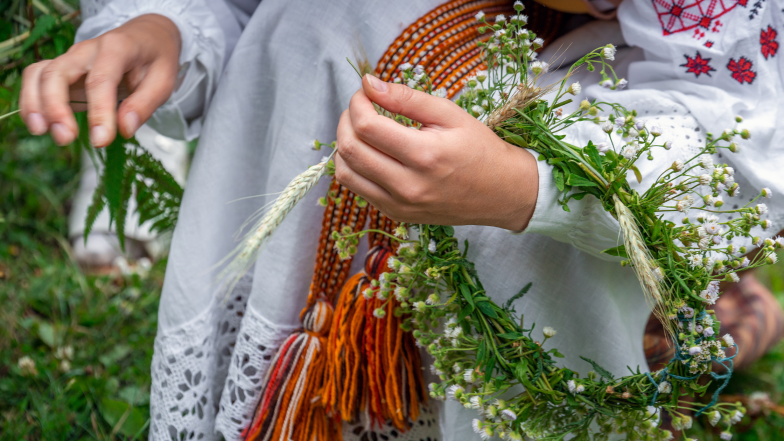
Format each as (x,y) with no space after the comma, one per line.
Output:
(741,70)
(698,65)
(768,42)
(685,15)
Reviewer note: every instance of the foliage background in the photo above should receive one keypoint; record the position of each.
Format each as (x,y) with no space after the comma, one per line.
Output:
(102,390)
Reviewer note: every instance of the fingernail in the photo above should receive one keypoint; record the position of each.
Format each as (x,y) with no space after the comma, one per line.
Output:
(377,84)
(36,124)
(131,122)
(61,134)
(99,136)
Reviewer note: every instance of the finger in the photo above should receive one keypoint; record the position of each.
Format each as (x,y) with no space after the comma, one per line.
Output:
(382,132)
(54,92)
(30,98)
(154,89)
(114,59)
(366,160)
(360,185)
(419,106)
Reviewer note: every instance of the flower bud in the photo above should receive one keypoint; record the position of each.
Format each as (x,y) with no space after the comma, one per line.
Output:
(585,105)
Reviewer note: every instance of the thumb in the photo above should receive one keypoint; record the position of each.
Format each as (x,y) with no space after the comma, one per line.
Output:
(419,106)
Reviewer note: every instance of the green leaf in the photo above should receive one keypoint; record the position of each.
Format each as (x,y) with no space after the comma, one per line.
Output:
(556,353)
(513,138)
(599,370)
(487,309)
(593,153)
(619,251)
(116,411)
(559,179)
(113,175)
(466,291)
(519,295)
(43,25)
(489,366)
(637,174)
(449,230)
(465,312)
(47,334)
(579,181)
(511,336)
(129,175)
(116,354)
(95,209)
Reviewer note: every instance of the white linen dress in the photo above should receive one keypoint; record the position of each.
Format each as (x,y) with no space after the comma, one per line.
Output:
(260,80)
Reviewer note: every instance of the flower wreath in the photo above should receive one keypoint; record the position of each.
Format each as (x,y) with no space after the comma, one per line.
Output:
(483,350)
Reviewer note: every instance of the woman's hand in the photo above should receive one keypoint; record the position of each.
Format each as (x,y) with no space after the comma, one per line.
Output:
(454,171)
(143,53)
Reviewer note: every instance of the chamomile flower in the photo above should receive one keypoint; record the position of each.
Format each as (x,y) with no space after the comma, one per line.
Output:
(469,376)
(761,209)
(766,193)
(405,67)
(655,130)
(454,392)
(575,88)
(621,84)
(603,147)
(607,84)
(476,402)
(736,417)
(728,340)
(500,18)
(668,145)
(705,179)
(539,67)
(629,151)
(549,332)
(508,415)
(607,127)
(476,424)
(677,165)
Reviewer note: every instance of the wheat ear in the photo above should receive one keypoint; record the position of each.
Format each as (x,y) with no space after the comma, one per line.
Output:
(641,260)
(244,255)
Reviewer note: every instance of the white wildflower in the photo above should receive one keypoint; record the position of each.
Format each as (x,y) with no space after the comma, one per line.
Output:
(668,145)
(538,42)
(712,228)
(629,151)
(479,16)
(736,417)
(405,66)
(579,389)
(706,162)
(27,366)
(440,92)
(575,88)
(725,436)
(633,133)
(607,84)
(665,387)
(500,18)
(571,385)
(655,130)
(508,415)
(603,147)
(539,67)
(549,332)
(677,165)
(728,340)
(766,224)
(766,193)
(744,262)
(695,350)
(477,426)
(476,402)
(367,293)
(734,277)
(621,84)
(761,209)
(469,376)
(714,417)
(432,246)
(477,109)
(607,127)
(609,52)
(379,313)
(411,83)
(706,179)
(707,332)
(695,261)
(454,392)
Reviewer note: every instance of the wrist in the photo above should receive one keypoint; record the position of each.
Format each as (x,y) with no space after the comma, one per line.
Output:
(523,190)
(158,30)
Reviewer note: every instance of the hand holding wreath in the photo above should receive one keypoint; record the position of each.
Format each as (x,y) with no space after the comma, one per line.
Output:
(453,171)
